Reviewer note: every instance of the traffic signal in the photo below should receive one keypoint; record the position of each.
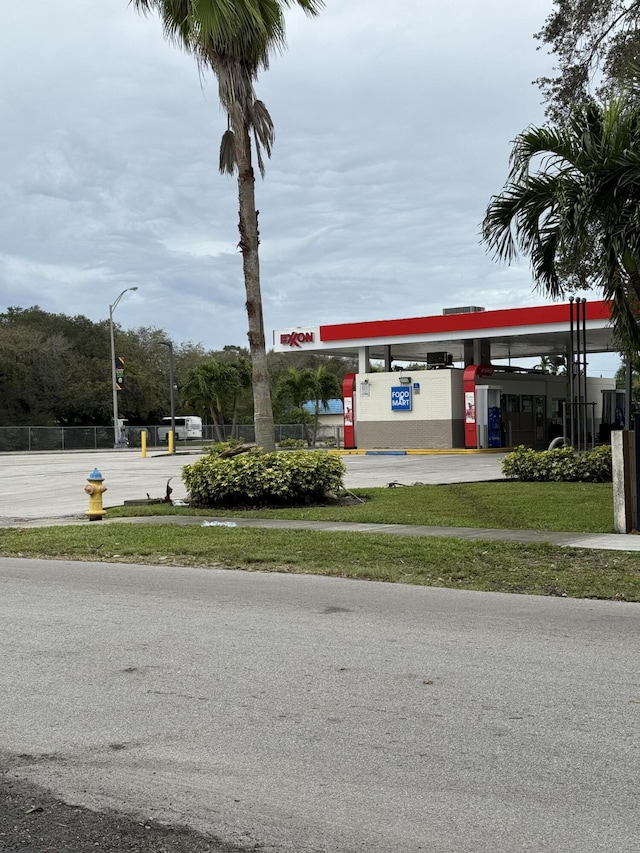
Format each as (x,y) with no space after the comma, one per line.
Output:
(119,373)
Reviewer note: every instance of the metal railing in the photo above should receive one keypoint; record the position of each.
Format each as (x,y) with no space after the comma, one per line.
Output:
(36,438)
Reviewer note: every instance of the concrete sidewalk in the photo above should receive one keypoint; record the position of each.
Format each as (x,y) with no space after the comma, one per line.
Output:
(597,541)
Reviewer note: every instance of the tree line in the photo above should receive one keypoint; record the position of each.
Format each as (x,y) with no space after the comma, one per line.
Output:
(56,370)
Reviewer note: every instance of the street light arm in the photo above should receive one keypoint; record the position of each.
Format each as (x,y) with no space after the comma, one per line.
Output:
(113,307)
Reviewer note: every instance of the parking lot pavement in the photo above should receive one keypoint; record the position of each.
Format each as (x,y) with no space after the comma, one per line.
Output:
(51,485)
(431,469)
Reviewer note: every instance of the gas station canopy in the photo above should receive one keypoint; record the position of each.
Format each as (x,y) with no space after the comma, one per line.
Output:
(513,333)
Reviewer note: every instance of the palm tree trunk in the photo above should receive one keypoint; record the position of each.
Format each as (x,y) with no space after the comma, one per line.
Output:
(316,418)
(216,424)
(249,241)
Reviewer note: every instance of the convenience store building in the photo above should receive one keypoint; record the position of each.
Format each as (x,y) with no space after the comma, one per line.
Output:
(465,388)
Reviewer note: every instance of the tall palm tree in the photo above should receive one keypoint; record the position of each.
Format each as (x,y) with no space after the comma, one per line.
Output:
(235,39)
(572,203)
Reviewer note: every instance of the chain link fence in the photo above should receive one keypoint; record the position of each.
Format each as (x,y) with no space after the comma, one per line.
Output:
(34,438)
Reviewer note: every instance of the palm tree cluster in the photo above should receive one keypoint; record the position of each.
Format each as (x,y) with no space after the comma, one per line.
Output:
(300,387)
(572,204)
(235,39)
(216,386)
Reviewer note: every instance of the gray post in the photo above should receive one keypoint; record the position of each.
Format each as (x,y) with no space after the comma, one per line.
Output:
(169,344)
(117,439)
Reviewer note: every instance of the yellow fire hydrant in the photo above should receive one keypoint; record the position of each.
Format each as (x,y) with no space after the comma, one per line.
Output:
(95,489)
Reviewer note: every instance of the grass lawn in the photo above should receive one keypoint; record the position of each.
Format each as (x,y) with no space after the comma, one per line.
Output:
(572,507)
(481,565)
(539,568)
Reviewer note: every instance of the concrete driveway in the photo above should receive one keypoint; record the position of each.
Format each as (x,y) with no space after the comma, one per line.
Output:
(51,485)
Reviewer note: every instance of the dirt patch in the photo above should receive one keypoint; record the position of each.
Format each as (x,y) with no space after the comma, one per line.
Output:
(32,819)
(347,499)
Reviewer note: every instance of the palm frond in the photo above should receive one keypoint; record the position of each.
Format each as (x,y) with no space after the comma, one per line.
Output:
(227,160)
(262,123)
(572,204)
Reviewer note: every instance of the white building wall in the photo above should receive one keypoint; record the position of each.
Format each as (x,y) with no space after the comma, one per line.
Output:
(433,401)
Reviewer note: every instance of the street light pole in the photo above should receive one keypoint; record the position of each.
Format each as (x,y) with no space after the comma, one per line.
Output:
(171,390)
(116,428)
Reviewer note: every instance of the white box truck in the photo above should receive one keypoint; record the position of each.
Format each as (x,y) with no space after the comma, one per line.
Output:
(186,427)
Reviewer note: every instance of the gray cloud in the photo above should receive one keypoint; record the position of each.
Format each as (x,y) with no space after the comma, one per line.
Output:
(392,132)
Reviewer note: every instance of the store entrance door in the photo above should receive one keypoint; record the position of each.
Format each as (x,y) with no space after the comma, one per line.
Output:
(524,419)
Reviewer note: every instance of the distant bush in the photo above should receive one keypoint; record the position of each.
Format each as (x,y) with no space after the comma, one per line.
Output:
(292,444)
(562,464)
(259,479)
(219,447)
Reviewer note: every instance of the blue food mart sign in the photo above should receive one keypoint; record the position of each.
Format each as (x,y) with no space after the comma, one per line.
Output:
(401,399)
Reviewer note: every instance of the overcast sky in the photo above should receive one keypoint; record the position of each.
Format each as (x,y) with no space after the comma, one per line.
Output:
(393,129)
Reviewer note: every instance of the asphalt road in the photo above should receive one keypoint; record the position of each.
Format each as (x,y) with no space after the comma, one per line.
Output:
(51,485)
(317,715)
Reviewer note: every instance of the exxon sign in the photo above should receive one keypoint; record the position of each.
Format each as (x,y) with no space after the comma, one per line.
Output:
(296,339)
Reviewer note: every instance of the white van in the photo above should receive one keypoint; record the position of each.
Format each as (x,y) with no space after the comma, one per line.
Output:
(186,427)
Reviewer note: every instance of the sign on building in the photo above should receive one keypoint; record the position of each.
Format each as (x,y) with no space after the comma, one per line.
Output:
(401,399)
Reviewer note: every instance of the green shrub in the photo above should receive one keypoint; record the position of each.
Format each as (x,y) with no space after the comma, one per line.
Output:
(259,479)
(562,464)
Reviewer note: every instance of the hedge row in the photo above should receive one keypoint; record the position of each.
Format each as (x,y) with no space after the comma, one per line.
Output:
(561,464)
(257,478)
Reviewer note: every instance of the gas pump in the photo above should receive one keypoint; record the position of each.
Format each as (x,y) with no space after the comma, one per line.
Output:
(488,416)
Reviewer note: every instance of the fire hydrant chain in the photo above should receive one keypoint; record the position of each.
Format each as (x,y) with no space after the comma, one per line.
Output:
(95,490)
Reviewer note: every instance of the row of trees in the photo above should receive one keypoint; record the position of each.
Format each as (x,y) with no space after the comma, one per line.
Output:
(56,369)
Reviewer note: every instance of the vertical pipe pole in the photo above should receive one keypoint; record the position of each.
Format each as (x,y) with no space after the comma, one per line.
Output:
(571,377)
(578,378)
(584,353)
(628,381)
